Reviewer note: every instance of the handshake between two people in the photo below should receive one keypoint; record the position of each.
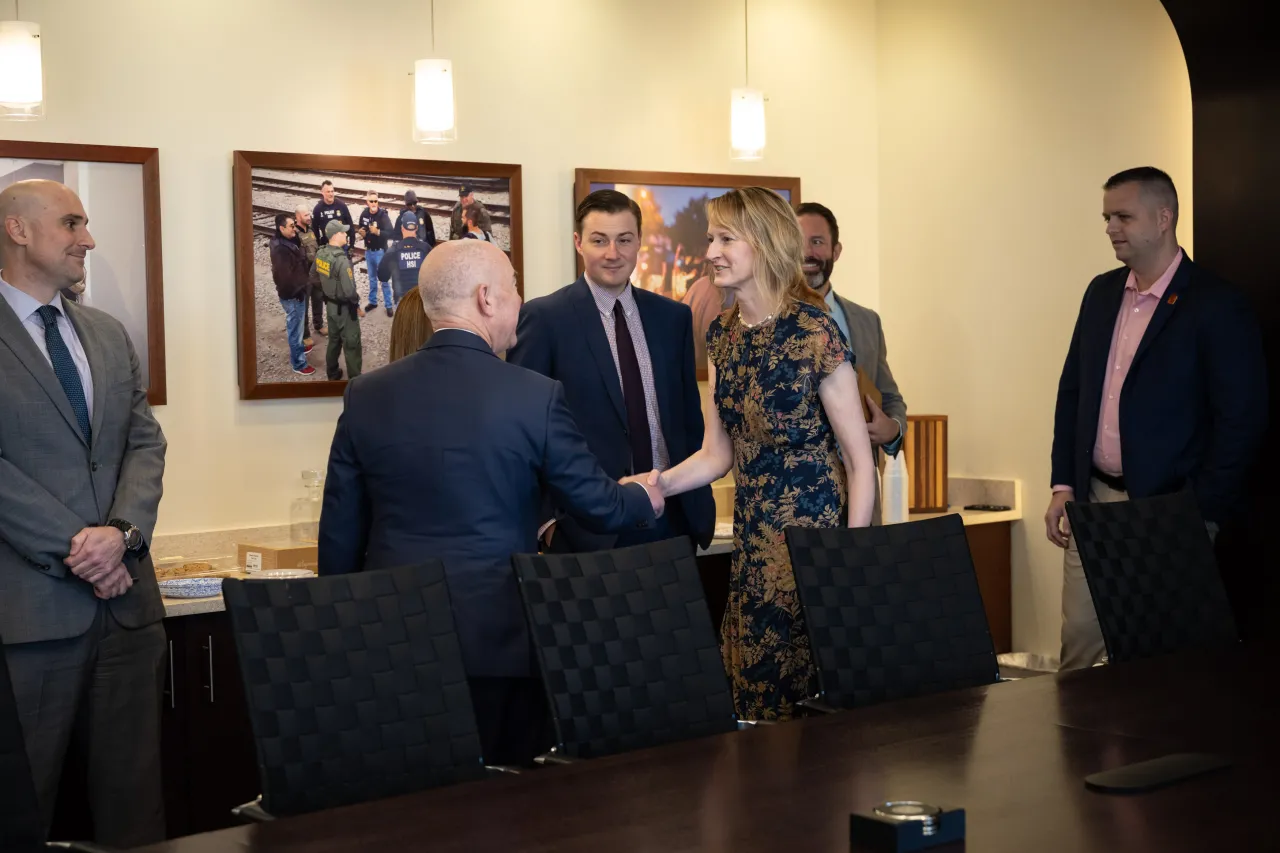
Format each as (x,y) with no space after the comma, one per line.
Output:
(653,486)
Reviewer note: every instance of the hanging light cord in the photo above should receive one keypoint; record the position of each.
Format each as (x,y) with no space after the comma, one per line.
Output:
(433,26)
(746,45)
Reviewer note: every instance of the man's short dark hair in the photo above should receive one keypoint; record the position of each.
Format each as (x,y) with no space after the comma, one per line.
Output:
(606,201)
(282,218)
(1154,182)
(326,183)
(812,208)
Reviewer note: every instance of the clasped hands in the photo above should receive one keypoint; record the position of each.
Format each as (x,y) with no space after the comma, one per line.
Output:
(653,486)
(97,558)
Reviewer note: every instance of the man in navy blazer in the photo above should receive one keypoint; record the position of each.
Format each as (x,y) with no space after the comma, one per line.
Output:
(447,453)
(1185,349)
(625,358)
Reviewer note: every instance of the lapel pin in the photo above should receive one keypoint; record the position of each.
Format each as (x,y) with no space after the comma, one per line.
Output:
(1173,299)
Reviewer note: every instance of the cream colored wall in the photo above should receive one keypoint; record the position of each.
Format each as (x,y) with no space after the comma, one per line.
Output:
(999,120)
(551,85)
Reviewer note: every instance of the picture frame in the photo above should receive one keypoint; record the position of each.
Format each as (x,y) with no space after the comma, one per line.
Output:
(267,184)
(124,276)
(670,261)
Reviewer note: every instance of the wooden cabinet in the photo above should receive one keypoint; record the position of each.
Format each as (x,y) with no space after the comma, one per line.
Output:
(209,761)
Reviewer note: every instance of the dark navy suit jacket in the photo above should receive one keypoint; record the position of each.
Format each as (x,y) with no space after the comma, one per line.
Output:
(446,454)
(561,336)
(1194,404)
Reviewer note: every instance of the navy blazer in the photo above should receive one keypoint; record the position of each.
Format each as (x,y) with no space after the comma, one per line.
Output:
(446,453)
(561,336)
(1194,404)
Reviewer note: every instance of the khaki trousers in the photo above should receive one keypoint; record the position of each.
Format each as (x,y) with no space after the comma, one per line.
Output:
(1082,644)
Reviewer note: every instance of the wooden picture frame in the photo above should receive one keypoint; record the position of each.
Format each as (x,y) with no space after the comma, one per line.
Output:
(351,176)
(150,328)
(678,279)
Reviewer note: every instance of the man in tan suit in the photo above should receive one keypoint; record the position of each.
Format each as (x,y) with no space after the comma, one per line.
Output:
(81,462)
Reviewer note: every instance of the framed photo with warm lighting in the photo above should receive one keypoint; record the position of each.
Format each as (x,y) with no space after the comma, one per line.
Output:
(120,190)
(309,190)
(674,238)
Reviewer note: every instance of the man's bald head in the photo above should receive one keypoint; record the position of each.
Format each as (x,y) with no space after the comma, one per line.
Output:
(471,283)
(44,236)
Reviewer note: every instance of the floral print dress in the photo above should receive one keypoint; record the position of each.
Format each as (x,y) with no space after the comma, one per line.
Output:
(787,472)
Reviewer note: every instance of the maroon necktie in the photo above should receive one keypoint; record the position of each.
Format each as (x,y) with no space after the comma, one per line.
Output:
(633,395)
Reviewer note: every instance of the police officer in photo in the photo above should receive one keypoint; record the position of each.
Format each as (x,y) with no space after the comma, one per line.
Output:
(426,228)
(458,223)
(342,301)
(400,265)
(375,228)
(329,209)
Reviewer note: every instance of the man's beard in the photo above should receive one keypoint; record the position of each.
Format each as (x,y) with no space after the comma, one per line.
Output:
(819,280)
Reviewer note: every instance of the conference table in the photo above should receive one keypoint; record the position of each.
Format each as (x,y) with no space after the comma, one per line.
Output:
(1013,755)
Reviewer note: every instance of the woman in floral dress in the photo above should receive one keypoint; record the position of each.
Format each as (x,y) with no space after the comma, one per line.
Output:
(787,418)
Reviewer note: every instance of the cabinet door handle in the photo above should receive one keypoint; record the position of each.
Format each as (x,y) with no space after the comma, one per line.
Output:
(209,648)
(172,687)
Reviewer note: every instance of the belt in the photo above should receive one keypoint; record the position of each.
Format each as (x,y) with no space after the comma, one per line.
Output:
(1109,480)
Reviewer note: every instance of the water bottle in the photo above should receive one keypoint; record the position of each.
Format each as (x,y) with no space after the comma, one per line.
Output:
(895,500)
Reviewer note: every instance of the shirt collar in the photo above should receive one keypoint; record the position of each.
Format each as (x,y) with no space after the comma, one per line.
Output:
(24,304)
(606,300)
(1162,283)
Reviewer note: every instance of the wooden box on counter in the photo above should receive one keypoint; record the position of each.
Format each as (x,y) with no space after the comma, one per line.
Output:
(925,449)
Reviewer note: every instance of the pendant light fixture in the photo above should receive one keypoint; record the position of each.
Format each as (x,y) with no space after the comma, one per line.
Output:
(21,71)
(746,108)
(433,120)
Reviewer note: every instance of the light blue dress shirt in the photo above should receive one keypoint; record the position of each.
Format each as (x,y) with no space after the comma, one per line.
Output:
(25,306)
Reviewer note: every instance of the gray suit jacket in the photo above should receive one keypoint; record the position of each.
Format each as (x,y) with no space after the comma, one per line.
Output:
(872,356)
(53,484)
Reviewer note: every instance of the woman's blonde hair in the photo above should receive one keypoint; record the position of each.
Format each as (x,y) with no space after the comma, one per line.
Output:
(410,328)
(769,225)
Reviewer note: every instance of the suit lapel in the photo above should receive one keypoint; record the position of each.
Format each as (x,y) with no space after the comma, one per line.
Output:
(1097,346)
(662,380)
(1164,310)
(15,335)
(859,347)
(589,317)
(97,366)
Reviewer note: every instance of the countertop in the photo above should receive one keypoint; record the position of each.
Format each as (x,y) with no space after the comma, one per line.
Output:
(721,544)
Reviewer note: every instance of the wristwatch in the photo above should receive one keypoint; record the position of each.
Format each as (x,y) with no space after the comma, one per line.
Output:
(134,544)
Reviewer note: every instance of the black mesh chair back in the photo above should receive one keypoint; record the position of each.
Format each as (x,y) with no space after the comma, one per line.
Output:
(892,611)
(1152,576)
(626,647)
(355,686)
(20,827)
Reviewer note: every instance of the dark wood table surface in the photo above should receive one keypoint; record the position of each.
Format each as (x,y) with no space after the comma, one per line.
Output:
(1013,755)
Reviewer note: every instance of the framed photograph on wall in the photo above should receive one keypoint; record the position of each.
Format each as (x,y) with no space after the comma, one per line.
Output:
(371,194)
(120,190)
(674,238)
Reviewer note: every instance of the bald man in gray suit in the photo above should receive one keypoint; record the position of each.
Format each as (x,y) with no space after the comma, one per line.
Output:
(81,462)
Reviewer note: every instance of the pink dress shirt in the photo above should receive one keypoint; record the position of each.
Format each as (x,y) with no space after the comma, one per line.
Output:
(1136,311)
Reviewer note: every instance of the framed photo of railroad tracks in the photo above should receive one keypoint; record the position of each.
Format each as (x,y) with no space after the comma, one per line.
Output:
(284,204)
(120,190)
(673,207)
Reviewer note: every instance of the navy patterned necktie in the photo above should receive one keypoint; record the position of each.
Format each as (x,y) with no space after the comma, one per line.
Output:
(64,366)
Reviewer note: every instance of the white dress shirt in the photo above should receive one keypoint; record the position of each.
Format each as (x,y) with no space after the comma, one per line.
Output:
(25,306)
(631,313)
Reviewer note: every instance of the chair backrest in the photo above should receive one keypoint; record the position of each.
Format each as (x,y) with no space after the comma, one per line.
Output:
(355,686)
(1152,576)
(626,647)
(892,611)
(20,829)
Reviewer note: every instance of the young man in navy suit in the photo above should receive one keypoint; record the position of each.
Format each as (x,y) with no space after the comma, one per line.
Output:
(625,358)
(1184,348)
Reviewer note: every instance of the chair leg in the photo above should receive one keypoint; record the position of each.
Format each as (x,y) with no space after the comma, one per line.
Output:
(253,812)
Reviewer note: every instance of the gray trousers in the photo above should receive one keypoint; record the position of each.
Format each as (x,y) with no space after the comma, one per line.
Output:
(102,688)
